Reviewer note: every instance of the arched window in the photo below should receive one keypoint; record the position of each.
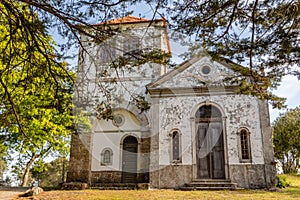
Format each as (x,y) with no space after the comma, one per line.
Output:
(244,143)
(106,156)
(175,146)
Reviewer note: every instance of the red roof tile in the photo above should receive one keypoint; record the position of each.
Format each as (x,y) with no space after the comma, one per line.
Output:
(131,19)
(126,19)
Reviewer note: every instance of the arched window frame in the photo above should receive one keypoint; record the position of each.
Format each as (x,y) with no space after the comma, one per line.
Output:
(244,145)
(172,135)
(103,161)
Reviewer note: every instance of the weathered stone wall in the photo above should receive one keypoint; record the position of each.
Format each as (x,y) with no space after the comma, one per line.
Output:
(106,177)
(270,165)
(154,148)
(144,160)
(80,159)
(115,177)
(171,176)
(239,111)
(248,175)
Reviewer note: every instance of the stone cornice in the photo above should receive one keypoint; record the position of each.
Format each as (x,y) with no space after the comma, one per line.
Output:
(192,91)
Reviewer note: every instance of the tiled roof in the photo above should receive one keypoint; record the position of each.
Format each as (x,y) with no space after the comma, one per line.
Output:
(131,19)
(126,19)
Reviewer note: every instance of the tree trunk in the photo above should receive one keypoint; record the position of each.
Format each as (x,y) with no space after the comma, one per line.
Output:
(27,170)
(63,171)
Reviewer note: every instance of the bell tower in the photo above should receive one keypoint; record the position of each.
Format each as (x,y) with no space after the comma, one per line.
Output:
(115,64)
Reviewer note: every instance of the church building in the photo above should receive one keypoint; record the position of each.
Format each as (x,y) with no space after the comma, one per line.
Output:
(198,132)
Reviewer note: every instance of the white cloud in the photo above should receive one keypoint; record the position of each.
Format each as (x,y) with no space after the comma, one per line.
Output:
(290,89)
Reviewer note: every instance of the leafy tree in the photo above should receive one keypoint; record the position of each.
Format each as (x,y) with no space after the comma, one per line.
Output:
(36,92)
(286,138)
(264,35)
(17,172)
(50,174)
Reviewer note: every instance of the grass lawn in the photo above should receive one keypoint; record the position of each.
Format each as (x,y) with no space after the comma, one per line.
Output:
(291,192)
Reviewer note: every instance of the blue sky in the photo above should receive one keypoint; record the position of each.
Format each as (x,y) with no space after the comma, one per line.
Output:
(290,89)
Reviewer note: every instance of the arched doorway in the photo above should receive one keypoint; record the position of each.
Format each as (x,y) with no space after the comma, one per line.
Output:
(129,160)
(209,143)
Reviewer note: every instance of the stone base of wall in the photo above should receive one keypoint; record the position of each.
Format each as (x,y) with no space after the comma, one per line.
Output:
(78,176)
(116,177)
(271,174)
(244,175)
(80,157)
(74,186)
(107,177)
(171,176)
(251,176)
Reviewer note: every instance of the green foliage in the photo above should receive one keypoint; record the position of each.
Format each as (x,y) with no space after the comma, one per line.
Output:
(36,90)
(17,172)
(281,182)
(263,35)
(50,174)
(138,58)
(141,103)
(286,139)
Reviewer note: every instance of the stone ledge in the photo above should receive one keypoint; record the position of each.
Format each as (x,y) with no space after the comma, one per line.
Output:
(74,186)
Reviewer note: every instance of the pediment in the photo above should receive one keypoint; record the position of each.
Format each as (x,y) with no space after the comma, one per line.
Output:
(200,71)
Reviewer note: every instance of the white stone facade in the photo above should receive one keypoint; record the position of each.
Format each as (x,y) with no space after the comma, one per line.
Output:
(175,98)
(176,112)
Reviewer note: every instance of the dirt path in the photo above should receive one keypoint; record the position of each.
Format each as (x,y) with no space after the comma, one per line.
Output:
(9,193)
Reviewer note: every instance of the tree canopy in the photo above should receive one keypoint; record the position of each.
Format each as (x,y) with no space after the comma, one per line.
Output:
(263,35)
(35,89)
(286,138)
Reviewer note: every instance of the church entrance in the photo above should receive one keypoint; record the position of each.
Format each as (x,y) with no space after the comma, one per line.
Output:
(129,160)
(209,143)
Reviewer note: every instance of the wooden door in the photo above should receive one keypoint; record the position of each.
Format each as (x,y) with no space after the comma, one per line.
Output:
(210,150)
(129,160)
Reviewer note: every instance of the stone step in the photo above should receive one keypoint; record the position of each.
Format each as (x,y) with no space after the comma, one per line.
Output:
(206,188)
(211,180)
(221,184)
(113,188)
(210,184)
(119,186)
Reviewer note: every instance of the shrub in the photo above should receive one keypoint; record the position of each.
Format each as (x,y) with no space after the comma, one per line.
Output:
(281,182)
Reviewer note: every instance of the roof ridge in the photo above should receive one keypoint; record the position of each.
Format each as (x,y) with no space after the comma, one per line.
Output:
(126,19)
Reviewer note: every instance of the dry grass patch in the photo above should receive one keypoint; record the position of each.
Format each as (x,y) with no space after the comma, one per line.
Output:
(292,192)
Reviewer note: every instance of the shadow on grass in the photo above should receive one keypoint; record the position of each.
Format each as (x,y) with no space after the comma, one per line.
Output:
(292,191)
